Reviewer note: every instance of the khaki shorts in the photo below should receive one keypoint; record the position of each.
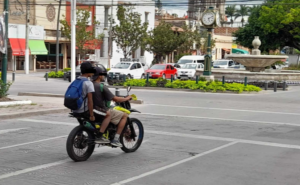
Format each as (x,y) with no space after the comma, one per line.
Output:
(116,116)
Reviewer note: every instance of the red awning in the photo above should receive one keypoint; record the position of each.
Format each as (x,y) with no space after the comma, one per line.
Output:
(18,46)
(92,45)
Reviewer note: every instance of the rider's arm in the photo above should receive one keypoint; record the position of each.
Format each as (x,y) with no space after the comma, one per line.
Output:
(121,99)
(91,106)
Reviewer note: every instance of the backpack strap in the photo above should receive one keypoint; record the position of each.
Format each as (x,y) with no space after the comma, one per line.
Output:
(107,103)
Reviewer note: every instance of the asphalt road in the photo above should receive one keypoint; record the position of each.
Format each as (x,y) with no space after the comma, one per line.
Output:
(191,138)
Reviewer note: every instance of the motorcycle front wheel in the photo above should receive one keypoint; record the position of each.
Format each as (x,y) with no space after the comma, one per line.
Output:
(80,144)
(132,144)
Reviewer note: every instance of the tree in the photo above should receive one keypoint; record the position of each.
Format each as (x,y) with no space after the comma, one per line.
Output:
(242,12)
(175,15)
(163,40)
(282,17)
(84,36)
(245,35)
(130,33)
(230,11)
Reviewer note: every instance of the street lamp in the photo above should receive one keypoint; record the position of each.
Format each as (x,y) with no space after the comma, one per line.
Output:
(4,60)
(210,19)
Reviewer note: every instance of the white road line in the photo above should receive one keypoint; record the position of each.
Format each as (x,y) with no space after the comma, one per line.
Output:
(48,139)
(224,139)
(50,122)
(223,119)
(208,137)
(237,110)
(11,130)
(173,164)
(33,169)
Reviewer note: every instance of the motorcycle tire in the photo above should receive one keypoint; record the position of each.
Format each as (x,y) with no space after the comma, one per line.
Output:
(71,141)
(139,137)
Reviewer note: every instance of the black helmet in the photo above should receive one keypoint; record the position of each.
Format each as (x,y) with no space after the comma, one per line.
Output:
(87,67)
(100,71)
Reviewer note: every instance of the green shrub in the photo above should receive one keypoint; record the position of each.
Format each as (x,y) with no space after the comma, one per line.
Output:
(53,74)
(212,86)
(4,88)
(66,69)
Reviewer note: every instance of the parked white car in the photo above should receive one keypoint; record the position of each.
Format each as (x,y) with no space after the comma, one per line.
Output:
(190,59)
(223,64)
(189,70)
(133,70)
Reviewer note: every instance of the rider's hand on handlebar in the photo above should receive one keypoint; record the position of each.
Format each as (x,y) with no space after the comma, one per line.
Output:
(129,98)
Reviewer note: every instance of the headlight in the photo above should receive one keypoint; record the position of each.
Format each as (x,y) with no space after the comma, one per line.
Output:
(157,73)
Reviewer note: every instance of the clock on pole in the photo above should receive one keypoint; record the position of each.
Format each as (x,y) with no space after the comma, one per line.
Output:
(210,19)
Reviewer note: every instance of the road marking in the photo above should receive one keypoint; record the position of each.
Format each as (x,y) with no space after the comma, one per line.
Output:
(238,110)
(11,130)
(224,139)
(173,164)
(208,137)
(48,139)
(19,172)
(50,122)
(223,119)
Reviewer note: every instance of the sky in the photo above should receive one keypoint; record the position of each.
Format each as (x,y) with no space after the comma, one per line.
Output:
(181,10)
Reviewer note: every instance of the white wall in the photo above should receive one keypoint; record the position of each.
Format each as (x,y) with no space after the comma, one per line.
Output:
(117,53)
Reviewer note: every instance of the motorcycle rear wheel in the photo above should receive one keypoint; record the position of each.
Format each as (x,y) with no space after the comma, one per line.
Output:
(79,144)
(129,145)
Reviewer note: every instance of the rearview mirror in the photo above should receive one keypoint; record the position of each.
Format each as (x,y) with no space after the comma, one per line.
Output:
(128,89)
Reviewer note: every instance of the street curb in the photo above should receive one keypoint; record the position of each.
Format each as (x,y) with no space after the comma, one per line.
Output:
(9,103)
(62,96)
(183,90)
(32,113)
(40,94)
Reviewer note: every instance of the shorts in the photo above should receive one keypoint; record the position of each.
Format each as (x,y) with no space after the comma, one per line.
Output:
(116,116)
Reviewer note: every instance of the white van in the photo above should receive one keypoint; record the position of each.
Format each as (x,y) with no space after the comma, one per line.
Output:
(190,59)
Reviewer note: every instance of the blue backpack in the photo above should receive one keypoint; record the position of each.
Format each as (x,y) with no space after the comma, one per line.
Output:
(73,96)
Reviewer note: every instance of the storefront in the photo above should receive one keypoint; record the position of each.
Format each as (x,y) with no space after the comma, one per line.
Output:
(17,46)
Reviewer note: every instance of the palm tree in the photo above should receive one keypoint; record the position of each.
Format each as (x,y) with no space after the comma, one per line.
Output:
(230,11)
(243,11)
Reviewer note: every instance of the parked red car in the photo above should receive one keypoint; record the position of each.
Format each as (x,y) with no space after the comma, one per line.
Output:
(162,71)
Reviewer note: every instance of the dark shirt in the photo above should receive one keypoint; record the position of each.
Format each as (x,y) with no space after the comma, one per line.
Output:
(100,98)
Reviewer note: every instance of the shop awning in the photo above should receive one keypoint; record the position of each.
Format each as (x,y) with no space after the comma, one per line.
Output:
(225,49)
(18,46)
(37,47)
(239,51)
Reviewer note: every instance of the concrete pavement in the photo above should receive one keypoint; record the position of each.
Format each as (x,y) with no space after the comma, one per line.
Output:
(190,138)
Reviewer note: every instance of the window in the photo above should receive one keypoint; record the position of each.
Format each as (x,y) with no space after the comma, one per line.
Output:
(168,67)
(133,66)
(143,64)
(200,61)
(142,52)
(106,16)
(139,66)
(172,68)
(146,16)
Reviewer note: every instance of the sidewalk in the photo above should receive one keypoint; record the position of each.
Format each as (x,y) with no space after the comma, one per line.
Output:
(39,106)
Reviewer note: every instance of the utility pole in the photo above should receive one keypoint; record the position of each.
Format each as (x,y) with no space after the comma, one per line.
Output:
(26,66)
(73,39)
(110,34)
(4,60)
(57,37)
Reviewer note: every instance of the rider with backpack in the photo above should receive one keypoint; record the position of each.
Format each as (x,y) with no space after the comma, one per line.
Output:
(79,97)
(102,98)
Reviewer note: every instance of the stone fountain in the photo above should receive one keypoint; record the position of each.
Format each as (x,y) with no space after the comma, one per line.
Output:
(256,62)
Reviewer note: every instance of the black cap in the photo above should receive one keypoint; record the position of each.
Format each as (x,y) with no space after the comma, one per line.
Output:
(100,71)
(87,67)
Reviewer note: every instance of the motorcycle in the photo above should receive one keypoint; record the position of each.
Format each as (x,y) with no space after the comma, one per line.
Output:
(81,141)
